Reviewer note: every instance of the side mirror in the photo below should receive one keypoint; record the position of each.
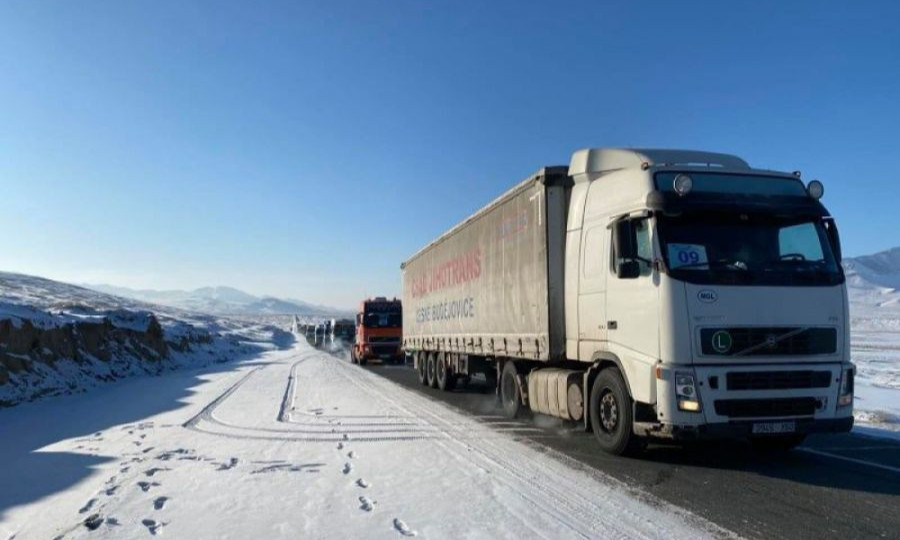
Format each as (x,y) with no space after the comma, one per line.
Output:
(623,240)
(628,269)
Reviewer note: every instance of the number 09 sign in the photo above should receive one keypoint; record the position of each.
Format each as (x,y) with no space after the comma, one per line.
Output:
(687,255)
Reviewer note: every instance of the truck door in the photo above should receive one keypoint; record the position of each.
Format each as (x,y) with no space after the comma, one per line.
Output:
(594,266)
(632,293)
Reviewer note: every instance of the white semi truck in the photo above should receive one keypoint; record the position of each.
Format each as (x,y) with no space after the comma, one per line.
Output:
(646,294)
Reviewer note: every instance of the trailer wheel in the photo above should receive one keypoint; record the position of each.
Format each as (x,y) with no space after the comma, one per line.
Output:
(611,414)
(510,397)
(446,381)
(430,370)
(420,368)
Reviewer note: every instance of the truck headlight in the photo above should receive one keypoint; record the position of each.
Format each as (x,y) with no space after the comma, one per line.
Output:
(686,392)
(845,395)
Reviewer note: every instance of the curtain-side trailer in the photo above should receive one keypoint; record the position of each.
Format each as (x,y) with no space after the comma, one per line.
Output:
(645,293)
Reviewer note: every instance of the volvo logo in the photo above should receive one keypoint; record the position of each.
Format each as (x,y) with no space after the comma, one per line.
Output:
(771,341)
(707,296)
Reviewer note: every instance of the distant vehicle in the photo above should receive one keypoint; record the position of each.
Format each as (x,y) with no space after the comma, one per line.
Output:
(310,333)
(378,331)
(648,294)
(343,333)
(319,335)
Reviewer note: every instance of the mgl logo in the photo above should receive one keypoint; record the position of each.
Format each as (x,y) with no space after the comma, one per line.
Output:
(707,296)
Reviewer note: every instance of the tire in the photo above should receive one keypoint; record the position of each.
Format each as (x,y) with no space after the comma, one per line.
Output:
(353,355)
(777,444)
(510,396)
(431,370)
(420,368)
(611,414)
(446,381)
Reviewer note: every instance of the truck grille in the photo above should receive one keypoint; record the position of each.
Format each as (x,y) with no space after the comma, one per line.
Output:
(384,339)
(780,341)
(384,349)
(778,380)
(759,408)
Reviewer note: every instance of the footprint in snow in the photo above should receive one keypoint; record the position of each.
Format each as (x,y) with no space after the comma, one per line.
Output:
(340,446)
(366,504)
(109,492)
(403,528)
(86,508)
(346,437)
(348,467)
(351,454)
(155,527)
(154,470)
(160,503)
(362,483)
(145,486)
(93,522)
(232,463)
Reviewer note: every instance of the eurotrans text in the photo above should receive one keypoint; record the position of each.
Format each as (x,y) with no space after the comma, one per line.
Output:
(445,311)
(456,271)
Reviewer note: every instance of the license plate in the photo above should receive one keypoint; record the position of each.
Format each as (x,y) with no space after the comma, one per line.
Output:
(775,427)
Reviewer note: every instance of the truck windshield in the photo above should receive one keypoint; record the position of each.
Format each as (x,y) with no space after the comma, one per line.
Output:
(747,249)
(383,319)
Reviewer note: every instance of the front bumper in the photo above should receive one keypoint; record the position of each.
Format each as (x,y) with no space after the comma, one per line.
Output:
(743,429)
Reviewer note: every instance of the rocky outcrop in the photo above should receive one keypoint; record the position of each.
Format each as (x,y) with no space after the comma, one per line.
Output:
(23,343)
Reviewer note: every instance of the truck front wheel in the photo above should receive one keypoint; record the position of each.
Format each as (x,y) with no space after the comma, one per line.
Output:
(509,391)
(611,413)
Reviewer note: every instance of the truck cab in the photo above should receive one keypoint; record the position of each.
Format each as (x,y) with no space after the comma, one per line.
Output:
(343,333)
(714,291)
(379,330)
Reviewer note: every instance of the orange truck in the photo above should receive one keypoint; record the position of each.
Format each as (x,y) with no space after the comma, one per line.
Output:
(379,331)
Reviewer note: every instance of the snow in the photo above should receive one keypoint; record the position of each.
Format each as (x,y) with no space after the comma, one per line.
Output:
(295,443)
(875,339)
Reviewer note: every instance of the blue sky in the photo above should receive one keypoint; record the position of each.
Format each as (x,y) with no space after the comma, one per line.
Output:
(306,149)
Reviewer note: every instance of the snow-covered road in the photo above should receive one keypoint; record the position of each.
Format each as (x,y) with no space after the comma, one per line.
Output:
(297,444)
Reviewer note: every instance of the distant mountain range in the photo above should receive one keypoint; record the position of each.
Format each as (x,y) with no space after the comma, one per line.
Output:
(874,280)
(219,301)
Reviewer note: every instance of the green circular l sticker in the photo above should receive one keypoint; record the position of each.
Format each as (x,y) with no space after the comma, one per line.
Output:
(722,342)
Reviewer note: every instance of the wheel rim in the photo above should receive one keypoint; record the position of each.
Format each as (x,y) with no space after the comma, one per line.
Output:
(609,411)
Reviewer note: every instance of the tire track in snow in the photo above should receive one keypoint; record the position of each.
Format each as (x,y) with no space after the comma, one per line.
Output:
(536,483)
